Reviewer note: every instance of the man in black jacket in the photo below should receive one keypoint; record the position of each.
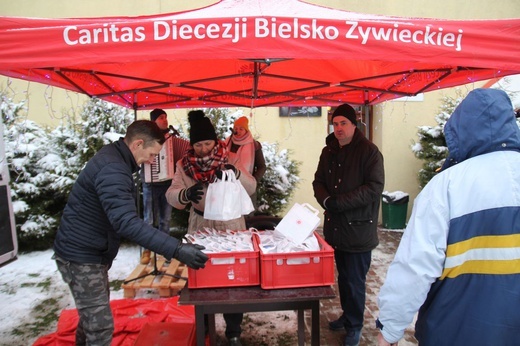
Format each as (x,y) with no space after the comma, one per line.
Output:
(348,184)
(101,209)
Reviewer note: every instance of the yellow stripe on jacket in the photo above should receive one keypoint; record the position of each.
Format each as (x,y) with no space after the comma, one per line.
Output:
(483,255)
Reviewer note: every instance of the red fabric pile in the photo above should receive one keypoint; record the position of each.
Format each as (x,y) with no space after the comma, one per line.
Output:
(136,322)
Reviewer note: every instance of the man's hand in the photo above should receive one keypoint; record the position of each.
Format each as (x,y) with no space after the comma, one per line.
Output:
(194,193)
(227,166)
(331,204)
(191,255)
(382,342)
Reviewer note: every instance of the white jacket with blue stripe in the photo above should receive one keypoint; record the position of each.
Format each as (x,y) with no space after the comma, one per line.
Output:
(458,262)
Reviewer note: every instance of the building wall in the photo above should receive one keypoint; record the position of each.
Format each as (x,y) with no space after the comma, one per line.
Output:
(400,120)
(394,124)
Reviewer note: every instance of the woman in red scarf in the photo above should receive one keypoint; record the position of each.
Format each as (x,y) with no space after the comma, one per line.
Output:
(198,168)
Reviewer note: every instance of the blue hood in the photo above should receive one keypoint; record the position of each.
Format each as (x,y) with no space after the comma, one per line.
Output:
(482,123)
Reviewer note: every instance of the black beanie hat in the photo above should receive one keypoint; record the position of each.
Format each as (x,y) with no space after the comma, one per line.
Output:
(156,113)
(201,128)
(346,111)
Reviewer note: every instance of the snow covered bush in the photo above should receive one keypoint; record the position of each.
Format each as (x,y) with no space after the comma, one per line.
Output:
(279,181)
(81,136)
(36,202)
(44,163)
(100,123)
(431,147)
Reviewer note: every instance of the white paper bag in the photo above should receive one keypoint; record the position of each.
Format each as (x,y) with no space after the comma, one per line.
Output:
(299,223)
(225,199)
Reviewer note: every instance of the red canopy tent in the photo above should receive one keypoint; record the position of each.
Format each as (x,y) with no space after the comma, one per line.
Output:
(256,53)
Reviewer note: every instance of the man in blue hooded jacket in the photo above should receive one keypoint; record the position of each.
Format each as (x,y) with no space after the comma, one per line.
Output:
(101,209)
(458,261)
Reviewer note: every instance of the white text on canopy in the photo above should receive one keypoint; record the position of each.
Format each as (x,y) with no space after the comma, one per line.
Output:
(238,29)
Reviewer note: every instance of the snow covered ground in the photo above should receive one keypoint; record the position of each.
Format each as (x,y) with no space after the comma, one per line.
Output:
(32,291)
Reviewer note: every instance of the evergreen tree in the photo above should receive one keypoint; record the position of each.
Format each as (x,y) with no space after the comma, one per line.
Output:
(101,123)
(44,164)
(279,181)
(35,203)
(223,120)
(67,164)
(78,140)
(431,147)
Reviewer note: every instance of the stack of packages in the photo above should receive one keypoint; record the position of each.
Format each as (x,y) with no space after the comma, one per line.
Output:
(291,255)
(294,255)
(233,259)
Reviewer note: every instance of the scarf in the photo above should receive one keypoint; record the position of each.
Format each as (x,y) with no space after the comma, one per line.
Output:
(202,169)
(245,155)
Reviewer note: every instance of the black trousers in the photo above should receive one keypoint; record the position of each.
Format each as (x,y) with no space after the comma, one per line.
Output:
(233,322)
(352,274)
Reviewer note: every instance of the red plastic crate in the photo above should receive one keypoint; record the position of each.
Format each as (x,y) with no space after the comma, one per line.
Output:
(298,269)
(227,269)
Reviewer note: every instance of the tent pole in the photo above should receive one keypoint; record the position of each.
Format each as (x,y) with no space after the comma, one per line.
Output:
(256,76)
(134,106)
(366,113)
(138,177)
(365,116)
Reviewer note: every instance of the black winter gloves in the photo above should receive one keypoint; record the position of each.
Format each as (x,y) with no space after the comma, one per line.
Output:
(227,166)
(191,255)
(331,204)
(194,193)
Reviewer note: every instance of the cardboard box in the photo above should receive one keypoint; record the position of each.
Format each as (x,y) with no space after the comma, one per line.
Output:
(229,269)
(298,269)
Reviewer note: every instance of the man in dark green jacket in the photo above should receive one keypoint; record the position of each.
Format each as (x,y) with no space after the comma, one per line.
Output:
(101,209)
(348,184)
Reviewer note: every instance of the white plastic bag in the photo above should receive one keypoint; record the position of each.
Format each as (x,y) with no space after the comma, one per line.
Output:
(246,203)
(226,199)
(299,223)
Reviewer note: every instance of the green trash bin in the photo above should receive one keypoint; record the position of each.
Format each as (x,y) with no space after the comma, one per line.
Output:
(395,208)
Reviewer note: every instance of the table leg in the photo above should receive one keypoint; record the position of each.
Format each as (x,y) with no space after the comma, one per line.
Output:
(211,330)
(301,328)
(199,326)
(315,332)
